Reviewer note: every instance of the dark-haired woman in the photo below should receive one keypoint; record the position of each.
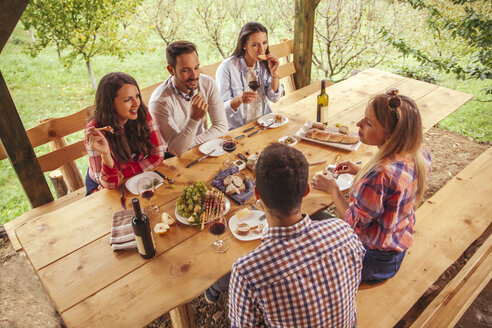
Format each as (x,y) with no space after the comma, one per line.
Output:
(387,190)
(241,103)
(132,143)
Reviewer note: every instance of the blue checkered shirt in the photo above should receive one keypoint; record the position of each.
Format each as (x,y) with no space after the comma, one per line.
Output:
(304,275)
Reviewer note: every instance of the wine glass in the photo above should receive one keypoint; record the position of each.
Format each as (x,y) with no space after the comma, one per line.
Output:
(217,227)
(229,144)
(146,189)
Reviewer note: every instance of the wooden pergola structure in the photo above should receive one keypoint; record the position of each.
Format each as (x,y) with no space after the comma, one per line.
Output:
(13,134)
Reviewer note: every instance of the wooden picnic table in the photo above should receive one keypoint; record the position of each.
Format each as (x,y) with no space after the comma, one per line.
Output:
(91,285)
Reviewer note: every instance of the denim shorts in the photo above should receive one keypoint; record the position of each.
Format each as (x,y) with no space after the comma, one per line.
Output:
(379,265)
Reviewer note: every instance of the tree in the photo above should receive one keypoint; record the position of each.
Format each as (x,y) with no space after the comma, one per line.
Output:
(85,28)
(163,18)
(468,23)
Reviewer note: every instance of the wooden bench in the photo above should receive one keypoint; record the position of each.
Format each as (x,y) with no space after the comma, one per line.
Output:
(446,225)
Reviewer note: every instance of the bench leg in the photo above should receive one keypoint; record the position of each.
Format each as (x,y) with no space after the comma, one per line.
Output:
(182,316)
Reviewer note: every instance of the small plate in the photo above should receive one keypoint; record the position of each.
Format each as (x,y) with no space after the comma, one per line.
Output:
(132,183)
(214,144)
(269,118)
(284,138)
(344,181)
(253,218)
(184,220)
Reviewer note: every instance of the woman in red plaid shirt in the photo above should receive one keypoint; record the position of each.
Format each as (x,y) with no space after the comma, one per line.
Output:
(386,191)
(131,142)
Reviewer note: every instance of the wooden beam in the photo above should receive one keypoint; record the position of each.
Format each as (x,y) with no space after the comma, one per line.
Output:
(305,11)
(16,143)
(10,13)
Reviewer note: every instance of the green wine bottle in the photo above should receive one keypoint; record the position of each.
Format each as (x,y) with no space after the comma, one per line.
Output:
(322,110)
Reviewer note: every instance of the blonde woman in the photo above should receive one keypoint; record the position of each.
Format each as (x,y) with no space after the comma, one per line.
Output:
(386,191)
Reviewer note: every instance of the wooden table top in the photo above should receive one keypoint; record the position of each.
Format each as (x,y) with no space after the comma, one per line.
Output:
(92,285)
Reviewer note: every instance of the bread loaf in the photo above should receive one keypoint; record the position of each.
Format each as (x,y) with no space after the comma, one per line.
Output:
(332,135)
(319,126)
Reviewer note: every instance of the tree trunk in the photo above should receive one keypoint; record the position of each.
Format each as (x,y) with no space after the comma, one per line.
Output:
(32,36)
(91,74)
(303,40)
(58,49)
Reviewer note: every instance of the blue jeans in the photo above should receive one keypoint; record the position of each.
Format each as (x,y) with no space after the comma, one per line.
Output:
(90,184)
(379,265)
(220,286)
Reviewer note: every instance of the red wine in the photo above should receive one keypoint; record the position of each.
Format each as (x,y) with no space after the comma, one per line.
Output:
(143,234)
(229,146)
(147,194)
(254,85)
(217,228)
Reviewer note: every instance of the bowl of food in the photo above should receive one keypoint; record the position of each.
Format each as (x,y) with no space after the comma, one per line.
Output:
(288,140)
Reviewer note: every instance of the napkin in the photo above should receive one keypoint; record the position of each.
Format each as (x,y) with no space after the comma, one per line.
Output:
(122,236)
(241,198)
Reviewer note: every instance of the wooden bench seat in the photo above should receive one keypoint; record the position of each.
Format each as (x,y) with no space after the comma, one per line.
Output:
(446,225)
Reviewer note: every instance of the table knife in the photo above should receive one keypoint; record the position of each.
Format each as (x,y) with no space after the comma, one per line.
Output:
(239,137)
(259,130)
(123,204)
(198,160)
(249,129)
(171,181)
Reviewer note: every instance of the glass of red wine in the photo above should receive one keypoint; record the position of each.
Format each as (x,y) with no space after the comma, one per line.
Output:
(229,145)
(146,190)
(217,227)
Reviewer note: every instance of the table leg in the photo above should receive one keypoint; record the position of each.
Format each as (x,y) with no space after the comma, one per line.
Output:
(182,316)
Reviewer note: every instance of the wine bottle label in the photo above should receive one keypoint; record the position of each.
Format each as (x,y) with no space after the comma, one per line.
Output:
(324,114)
(140,245)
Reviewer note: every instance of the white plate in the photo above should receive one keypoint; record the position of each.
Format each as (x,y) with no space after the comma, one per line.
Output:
(282,140)
(214,144)
(302,132)
(268,118)
(184,220)
(252,219)
(344,181)
(132,183)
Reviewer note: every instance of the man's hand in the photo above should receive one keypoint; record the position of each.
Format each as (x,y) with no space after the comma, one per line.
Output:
(198,107)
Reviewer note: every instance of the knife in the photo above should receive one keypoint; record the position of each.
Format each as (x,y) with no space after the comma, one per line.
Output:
(123,204)
(239,137)
(249,129)
(259,130)
(198,160)
(171,181)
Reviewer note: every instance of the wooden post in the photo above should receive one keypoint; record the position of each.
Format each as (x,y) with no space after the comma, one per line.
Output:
(18,147)
(303,40)
(58,183)
(70,171)
(182,316)
(10,13)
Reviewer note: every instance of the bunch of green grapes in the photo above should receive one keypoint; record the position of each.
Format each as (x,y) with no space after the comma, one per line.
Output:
(192,195)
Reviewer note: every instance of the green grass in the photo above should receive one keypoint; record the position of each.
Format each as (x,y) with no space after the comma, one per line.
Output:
(42,87)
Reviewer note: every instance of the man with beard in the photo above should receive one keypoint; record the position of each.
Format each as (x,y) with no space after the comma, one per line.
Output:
(180,104)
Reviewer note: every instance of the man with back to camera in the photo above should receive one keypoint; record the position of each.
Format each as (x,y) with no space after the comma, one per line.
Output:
(180,104)
(305,273)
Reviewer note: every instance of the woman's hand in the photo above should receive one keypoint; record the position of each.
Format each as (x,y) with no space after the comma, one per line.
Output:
(97,141)
(347,167)
(273,64)
(248,97)
(325,182)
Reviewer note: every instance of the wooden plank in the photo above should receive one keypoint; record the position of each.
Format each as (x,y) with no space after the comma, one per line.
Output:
(282,49)
(303,40)
(286,70)
(147,92)
(10,13)
(452,302)
(39,211)
(446,225)
(210,70)
(79,274)
(175,272)
(55,159)
(21,154)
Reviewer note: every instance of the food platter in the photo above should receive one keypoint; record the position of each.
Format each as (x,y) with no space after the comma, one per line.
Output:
(301,133)
(269,118)
(215,145)
(184,220)
(132,183)
(253,219)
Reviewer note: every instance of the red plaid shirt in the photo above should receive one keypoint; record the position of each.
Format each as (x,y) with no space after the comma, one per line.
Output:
(304,275)
(111,177)
(381,209)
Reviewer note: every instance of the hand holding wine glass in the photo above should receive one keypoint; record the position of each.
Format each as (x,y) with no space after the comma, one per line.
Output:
(217,227)
(146,190)
(229,145)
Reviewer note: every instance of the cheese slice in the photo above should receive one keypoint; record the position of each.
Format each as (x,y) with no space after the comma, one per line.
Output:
(242,212)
